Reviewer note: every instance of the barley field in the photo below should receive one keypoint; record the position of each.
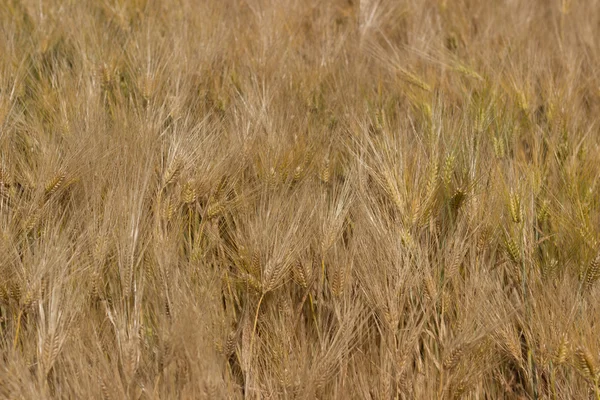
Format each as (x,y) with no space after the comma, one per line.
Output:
(299,199)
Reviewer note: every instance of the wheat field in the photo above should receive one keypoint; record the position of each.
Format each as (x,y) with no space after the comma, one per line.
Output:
(299,199)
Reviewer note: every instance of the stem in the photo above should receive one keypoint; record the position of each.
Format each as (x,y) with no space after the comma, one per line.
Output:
(230,294)
(190,229)
(262,296)
(553,380)
(18,329)
(441,386)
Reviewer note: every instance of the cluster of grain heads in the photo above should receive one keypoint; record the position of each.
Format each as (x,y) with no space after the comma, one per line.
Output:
(234,200)
(266,259)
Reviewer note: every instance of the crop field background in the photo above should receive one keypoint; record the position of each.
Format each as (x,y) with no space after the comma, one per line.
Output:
(299,199)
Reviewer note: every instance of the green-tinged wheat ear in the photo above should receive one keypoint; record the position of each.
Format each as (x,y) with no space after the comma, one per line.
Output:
(543,211)
(432,180)
(448,170)
(516,211)
(522,99)
(467,71)
(561,351)
(415,80)
(480,119)
(552,268)
(548,268)
(499,147)
(512,249)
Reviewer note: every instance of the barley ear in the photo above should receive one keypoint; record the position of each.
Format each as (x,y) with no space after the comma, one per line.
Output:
(561,351)
(172,173)
(448,171)
(188,193)
(326,170)
(585,363)
(53,185)
(516,211)
(593,272)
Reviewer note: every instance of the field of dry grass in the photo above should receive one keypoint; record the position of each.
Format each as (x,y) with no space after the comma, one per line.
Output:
(299,199)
